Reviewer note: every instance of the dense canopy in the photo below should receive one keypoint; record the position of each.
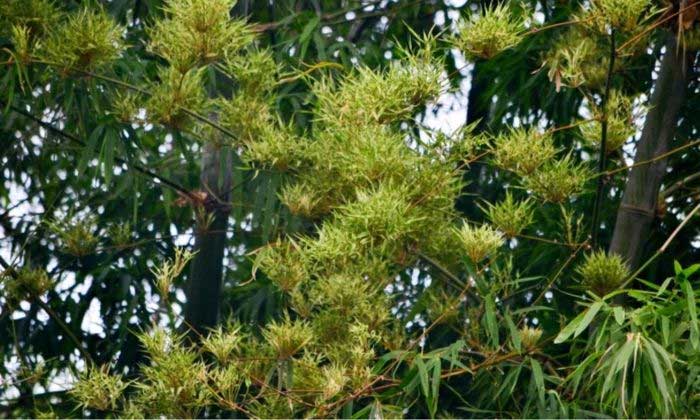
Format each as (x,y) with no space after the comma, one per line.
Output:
(356,208)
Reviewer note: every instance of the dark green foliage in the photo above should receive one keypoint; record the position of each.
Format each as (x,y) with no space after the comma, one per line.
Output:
(372,265)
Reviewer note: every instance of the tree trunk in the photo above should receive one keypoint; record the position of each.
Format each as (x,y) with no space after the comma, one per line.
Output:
(204,284)
(639,202)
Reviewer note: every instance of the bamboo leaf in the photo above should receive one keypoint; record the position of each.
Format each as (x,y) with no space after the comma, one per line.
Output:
(398,355)
(590,314)
(305,37)
(677,267)
(538,377)
(619,313)
(574,379)
(423,376)
(665,329)
(659,376)
(510,381)
(532,309)
(434,386)
(89,149)
(347,410)
(109,144)
(567,331)
(664,286)
(514,333)
(691,270)
(490,319)
(618,362)
(648,377)
(451,354)
(692,313)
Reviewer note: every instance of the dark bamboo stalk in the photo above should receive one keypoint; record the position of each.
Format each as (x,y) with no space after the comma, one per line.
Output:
(639,202)
(206,277)
(595,226)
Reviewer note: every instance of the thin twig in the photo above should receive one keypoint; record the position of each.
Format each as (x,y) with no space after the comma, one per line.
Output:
(558,273)
(649,161)
(142,91)
(663,247)
(678,229)
(678,185)
(655,25)
(569,126)
(548,241)
(175,186)
(556,25)
(595,225)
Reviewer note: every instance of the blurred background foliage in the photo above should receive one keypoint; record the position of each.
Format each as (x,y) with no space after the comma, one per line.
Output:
(137,222)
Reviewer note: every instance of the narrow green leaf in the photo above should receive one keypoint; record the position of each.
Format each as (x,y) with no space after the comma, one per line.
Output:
(677,267)
(692,313)
(308,28)
(490,319)
(574,378)
(636,385)
(320,43)
(365,412)
(305,37)
(691,270)
(590,314)
(619,361)
(435,386)
(510,381)
(109,144)
(664,286)
(397,355)
(347,410)
(532,309)
(89,149)
(423,376)
(451,354)
(601,334)
(665,329)
(640,295)
(659,375)
(619,313)
(664,354)
(538,377)
(410,381)
(656,397)
(567,331)
(514,333)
